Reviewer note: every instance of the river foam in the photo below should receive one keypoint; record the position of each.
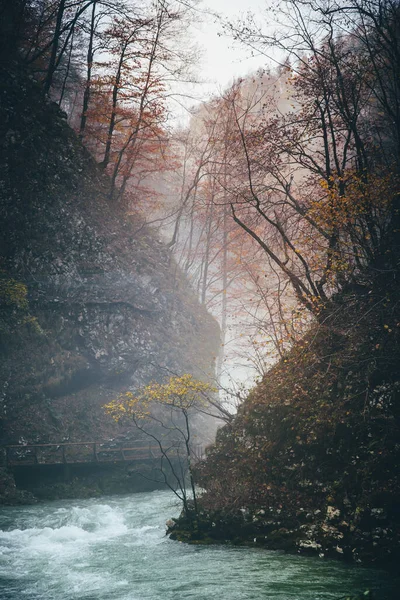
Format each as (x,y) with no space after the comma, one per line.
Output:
(116,549)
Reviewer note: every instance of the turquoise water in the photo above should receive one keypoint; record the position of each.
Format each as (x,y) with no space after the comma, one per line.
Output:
(116,549)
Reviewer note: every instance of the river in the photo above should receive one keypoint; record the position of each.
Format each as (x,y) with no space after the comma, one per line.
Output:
(114,548)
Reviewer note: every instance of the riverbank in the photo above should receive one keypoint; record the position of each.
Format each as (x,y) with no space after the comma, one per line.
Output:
(39,483)
(10,495)
(369,537)
(369,540)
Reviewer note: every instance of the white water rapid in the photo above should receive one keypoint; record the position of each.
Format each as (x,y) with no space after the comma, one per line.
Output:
(116,549)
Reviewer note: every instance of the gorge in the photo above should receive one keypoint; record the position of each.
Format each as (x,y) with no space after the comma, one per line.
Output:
(137,257)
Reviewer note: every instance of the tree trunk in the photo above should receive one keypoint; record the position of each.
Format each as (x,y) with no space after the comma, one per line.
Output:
(56,40)
(90,55)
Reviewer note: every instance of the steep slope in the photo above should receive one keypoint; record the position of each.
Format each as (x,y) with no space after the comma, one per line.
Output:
(311,463)
(107,307)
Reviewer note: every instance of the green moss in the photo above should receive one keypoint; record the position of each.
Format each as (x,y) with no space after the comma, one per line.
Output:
(13,293)
(14,308)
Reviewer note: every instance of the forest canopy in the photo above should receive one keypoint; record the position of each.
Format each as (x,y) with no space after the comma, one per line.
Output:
(282,191)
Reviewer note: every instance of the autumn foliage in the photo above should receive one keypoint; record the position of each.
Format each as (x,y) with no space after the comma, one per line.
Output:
(112,66)
(298,195)
(163,412)
(182,393)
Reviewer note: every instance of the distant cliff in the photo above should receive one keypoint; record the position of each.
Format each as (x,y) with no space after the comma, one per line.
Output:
(106,307)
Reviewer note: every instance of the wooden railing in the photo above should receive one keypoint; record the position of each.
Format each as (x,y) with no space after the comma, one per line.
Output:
(84,452)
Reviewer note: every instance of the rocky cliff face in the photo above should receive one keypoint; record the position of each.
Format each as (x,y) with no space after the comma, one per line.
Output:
(311,461)
(107,306)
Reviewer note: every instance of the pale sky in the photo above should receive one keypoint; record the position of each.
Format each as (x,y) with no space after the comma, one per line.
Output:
(222,59)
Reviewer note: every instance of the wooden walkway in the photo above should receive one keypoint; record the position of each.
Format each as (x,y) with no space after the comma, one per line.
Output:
(84,452)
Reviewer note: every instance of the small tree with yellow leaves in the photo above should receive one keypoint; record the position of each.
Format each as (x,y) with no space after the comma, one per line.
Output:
(163,413)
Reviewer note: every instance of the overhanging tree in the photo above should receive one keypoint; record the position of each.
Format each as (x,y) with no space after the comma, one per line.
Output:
(164,413)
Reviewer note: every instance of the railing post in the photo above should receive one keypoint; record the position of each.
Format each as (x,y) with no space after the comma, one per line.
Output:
(35,456)
(96,458)
(63,455)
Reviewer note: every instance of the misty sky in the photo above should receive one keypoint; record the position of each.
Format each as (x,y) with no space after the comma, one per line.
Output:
(221,60)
